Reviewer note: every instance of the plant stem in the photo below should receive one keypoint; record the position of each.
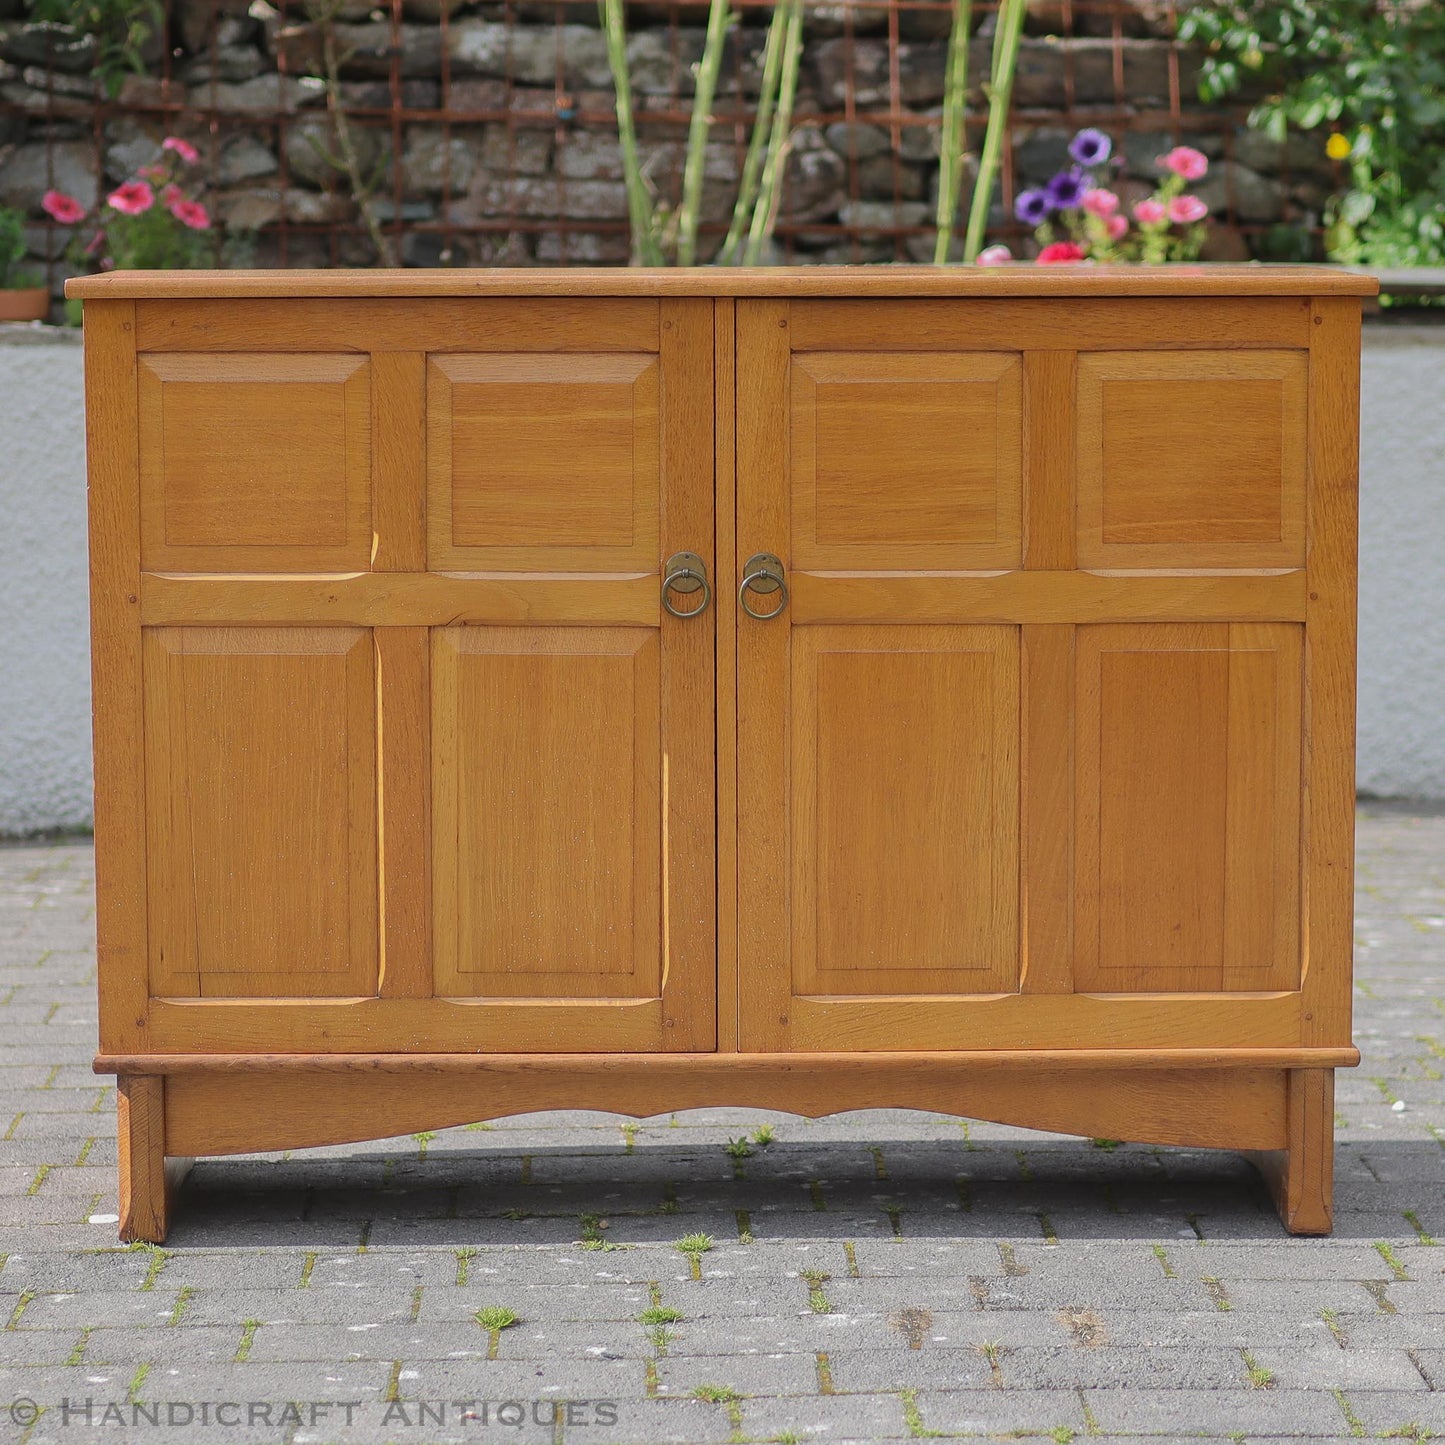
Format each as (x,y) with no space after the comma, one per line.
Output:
(765,210)
(753,162)
(1008,31)
(695,167)
(324,16)
(952,138)
(640,210)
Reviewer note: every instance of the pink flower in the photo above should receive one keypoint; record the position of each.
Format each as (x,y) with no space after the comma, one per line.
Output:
(132,198)
(60,207)
(152,173)
(1118,228)
(1100,202)
(182,148)
(172,194)
(1150,213)
(1060,253)
(995,256)
(97,242)
(1185,161)
(192,214)
(1184,210)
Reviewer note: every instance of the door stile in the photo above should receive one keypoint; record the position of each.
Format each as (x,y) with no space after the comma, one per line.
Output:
(763,705)
(689,781)
(729,982)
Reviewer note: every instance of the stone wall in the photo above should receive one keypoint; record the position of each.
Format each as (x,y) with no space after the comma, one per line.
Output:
(492,131)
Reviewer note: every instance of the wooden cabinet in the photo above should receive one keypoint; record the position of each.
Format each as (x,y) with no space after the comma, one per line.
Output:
(1001,765)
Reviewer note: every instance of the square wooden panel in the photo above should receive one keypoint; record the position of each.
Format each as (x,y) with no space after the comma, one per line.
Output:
(1192,458)
(906,460)
(255,462)
(547,812)
(905,803)
(261,811)
(1187,807)
(543,462)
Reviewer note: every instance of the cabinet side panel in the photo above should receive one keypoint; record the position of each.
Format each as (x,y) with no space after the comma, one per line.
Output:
(1329,854)
(114,502)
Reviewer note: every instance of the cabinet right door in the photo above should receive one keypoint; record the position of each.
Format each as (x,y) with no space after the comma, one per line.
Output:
(1022,761)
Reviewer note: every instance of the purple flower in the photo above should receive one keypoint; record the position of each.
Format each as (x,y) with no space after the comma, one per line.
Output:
(1033,207)
(1066,190)
(1091,147)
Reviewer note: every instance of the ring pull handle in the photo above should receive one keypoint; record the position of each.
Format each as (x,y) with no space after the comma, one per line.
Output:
(762,576)
(685,573)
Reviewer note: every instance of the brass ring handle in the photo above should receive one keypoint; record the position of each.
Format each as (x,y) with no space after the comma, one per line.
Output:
(763,575)
(685,573)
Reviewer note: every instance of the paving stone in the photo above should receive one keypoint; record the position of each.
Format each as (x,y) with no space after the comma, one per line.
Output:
(1061,1264)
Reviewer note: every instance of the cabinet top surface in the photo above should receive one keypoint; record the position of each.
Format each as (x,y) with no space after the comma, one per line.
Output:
(810,281)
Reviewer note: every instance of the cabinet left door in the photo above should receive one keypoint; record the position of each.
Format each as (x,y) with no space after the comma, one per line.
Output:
(397,750)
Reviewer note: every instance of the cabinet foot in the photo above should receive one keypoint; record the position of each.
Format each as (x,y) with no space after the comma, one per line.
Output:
(148,1180)
(1301,1176)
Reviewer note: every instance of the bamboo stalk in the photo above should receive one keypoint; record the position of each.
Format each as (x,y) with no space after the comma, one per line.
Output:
(1006,36)
(952,136)
(753,162)
(765,209)
(694,168)
(641,212)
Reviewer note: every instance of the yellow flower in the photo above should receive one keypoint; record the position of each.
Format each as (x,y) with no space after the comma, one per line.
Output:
(1337,148)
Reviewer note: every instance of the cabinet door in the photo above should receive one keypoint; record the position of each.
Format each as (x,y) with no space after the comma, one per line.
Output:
(427,765)
(1020,761)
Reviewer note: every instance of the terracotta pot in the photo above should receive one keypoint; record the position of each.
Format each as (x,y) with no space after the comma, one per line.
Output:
(30,303)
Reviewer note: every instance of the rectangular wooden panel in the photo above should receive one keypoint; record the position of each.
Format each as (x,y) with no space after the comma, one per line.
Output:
(547,463)
(1187,739)
(1192,459)
(255,463)
(902,460)
(546,778)
(905,810)
(261,811)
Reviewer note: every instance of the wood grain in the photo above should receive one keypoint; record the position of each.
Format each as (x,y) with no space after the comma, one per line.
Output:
(725,585)
(543,463)
(398,449)
(1191,459)
(401,599)
(1301,1176)
(149,1181)
(1329,775)
(259,461)
(261,811)
(403,746)
(765,281)
(111,423)
(1048,460)
(238,1113)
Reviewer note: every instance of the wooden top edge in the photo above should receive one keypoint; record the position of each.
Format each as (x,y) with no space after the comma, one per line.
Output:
(1249,279)
(721,1063)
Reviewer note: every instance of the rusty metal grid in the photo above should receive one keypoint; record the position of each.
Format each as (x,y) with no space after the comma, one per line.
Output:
(392,105)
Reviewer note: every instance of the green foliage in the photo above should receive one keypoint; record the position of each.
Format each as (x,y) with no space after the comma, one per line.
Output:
(497,1317)
(154,241)
(12,251)
(1374,73)
(120,29)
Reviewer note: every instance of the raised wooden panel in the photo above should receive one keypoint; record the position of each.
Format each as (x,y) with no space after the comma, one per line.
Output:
(1192,459)
(255,462)
(905,810)
(547,858)
(906,460)
(543,462)
(1188,769)
(261,811)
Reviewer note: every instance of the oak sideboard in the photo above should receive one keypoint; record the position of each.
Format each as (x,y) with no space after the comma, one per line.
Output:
(811,689)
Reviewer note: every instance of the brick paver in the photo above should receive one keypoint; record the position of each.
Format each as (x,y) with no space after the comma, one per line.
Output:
(874,1276)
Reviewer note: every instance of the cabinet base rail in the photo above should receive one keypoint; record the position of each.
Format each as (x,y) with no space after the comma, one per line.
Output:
(1277,1105)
